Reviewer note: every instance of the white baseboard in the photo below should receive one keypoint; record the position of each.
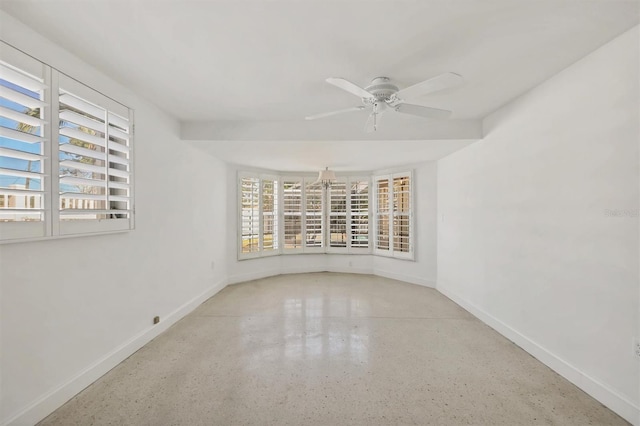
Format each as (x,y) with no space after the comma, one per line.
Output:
(608,397)
(50,401)
(351,270)
(406,278)
(241,278)
(250,276)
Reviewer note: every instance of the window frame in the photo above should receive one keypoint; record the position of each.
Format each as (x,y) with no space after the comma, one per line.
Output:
(51,226)
(349,248)
(392,214)
(305,180)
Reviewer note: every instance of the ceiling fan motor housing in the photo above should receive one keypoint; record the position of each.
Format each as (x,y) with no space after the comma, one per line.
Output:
(382,91)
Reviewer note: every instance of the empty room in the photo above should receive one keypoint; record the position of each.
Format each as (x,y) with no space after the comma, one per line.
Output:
(319,212)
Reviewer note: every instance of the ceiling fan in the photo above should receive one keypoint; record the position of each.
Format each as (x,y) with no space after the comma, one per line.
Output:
(382,95)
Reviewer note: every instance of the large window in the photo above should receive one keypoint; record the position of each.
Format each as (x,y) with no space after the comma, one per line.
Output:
(65,154)
(308,218)
(359,214)
(292,213)
(250,207)
(394,219)
(269,197)
(338,214)
(313,214)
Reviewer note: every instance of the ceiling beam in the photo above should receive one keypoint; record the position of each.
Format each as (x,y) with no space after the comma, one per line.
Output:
(331,130)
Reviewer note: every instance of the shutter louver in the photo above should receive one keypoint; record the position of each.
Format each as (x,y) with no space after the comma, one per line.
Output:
(401,210)
(82,159)
(359,211)
(118,158)
(338,215)
(22,142)
(270,215)
(250,193)
(94,156)
(382,214)
(313,215)
(292,213)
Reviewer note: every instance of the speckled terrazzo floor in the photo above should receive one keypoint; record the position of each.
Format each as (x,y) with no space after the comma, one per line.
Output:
(331,349)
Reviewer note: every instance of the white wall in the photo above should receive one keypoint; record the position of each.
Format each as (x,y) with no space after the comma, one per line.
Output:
(422,271)
(524,239)
(73,308)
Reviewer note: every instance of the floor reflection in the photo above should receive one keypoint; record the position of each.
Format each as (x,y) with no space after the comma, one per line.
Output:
(310,329)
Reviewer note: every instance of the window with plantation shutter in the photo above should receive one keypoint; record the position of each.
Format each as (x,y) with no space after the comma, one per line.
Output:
(23,146)
(313,214)
(353,215)
(66,164)
(94,157)
(338,214)
(250,214)
(382,213)
(394,215)
(270,242)
(359,214)
(401,216)
(292,213)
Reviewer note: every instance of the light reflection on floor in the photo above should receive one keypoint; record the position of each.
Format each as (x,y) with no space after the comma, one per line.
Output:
(306,331)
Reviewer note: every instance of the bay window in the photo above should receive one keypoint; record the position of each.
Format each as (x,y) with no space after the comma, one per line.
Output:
(296,214)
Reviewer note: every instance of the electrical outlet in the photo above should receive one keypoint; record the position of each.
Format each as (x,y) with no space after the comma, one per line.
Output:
(636,348)
(213,264)
(350,264)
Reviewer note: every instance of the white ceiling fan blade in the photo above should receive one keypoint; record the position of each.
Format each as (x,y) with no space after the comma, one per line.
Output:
(329,114)
(440,82)
(349,87)
(422,111)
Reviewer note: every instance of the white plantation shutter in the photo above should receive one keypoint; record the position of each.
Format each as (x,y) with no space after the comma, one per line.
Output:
(270,241)
(394,218)
(94,145)
(401,213)
(359,214)
(250,214)
(120,162)
(292,213)
(382,213)
(65,154)
(23,145)
(313,214)
(298,215)
(338,214)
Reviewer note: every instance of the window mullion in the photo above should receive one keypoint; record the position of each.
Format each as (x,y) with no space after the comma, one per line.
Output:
(280,217)
(347,209)
(260,216)
(303,214)
(392,215)
(326,202)
(107,189)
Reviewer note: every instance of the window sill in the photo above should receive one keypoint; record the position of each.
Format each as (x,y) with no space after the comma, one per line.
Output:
(65,236)
(241,258)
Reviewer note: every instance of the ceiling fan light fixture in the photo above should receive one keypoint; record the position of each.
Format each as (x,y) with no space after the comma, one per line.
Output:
(382,95)
(326,177)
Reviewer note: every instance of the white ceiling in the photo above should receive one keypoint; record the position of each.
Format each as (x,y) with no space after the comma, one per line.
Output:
(262,61)
(350,156)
